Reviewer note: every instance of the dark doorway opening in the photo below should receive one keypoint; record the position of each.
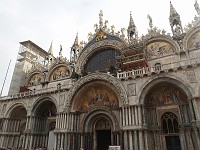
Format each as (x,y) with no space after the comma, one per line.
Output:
(173,143)
(103,139)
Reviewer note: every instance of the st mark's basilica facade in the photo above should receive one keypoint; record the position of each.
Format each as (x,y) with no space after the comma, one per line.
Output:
(139,93)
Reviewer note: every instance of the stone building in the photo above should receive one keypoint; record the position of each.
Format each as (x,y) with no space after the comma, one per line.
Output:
(141,93)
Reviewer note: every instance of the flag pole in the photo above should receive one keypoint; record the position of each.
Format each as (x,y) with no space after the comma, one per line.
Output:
(5,78)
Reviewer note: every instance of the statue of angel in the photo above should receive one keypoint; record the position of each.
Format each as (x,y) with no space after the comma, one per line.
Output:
(90,36)
(196,6)
(123,32)
(150,21)
(105,25)
(112,29)
(101,19)
(60,52)
(96,28)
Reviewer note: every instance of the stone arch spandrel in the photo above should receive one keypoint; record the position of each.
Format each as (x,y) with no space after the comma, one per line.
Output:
(41,100)
(13,106)
(97,76)
(154,81)
(95,47)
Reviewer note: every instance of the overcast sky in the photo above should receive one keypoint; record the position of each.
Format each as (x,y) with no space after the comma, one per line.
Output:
(43,21)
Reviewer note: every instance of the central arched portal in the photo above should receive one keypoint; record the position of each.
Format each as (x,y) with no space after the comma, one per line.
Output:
(102,129)
(97,102)
(102,125)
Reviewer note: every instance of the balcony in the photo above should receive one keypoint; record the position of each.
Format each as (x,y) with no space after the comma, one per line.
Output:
(37,92)
(147,71)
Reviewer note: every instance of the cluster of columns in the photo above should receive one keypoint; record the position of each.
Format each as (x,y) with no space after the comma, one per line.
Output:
(133,115)
(135,140)
(67,121)
(190,134)
(10,128)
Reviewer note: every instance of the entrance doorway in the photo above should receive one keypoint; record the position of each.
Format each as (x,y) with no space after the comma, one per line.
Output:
(102,134)
(173,143)
(103,139)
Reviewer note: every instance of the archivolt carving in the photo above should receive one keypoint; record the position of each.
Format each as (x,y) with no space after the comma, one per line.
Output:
(87,52)
(151,83)
(42,99)
(14,105)
(97,76)
(105,112)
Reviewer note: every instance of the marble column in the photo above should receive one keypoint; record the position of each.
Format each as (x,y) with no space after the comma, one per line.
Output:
(182,139)
(191,110)
(125,141)
(146,140)
(196,108)
(136,141)
(130,140)
(141,140)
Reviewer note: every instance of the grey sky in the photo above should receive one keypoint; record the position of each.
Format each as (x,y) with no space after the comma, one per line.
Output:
(42,21)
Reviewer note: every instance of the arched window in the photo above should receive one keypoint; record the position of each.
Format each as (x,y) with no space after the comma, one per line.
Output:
(102,61)
(169,123)
(157,67)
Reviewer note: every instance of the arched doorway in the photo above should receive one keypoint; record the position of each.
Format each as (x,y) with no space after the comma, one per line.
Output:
(102,128)
(44,121)
(170,131)
(167,109)
(101,125)
(16,124)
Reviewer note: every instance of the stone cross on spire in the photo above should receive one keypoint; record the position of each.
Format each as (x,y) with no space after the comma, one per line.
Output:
(101,19)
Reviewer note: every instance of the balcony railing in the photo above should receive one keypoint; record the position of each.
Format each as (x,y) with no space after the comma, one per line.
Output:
(157,69)
(36,92)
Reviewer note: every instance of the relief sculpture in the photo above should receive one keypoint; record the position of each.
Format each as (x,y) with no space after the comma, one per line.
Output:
(159,49)
(97,95)
(194,41)
(166,95)
(60,72)
(35,79)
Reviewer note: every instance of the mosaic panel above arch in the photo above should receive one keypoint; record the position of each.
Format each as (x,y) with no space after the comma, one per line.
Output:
(159,48)
(165,94)
(95,94)
(35,79)
(59,73)
(194,41)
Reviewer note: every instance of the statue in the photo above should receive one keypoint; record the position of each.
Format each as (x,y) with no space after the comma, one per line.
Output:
(101,19)
(112,29)
(150,21)
(60,52)
(105,25)
(123,33)
(196,6)
(90,36)
(96,28)
(177,30)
